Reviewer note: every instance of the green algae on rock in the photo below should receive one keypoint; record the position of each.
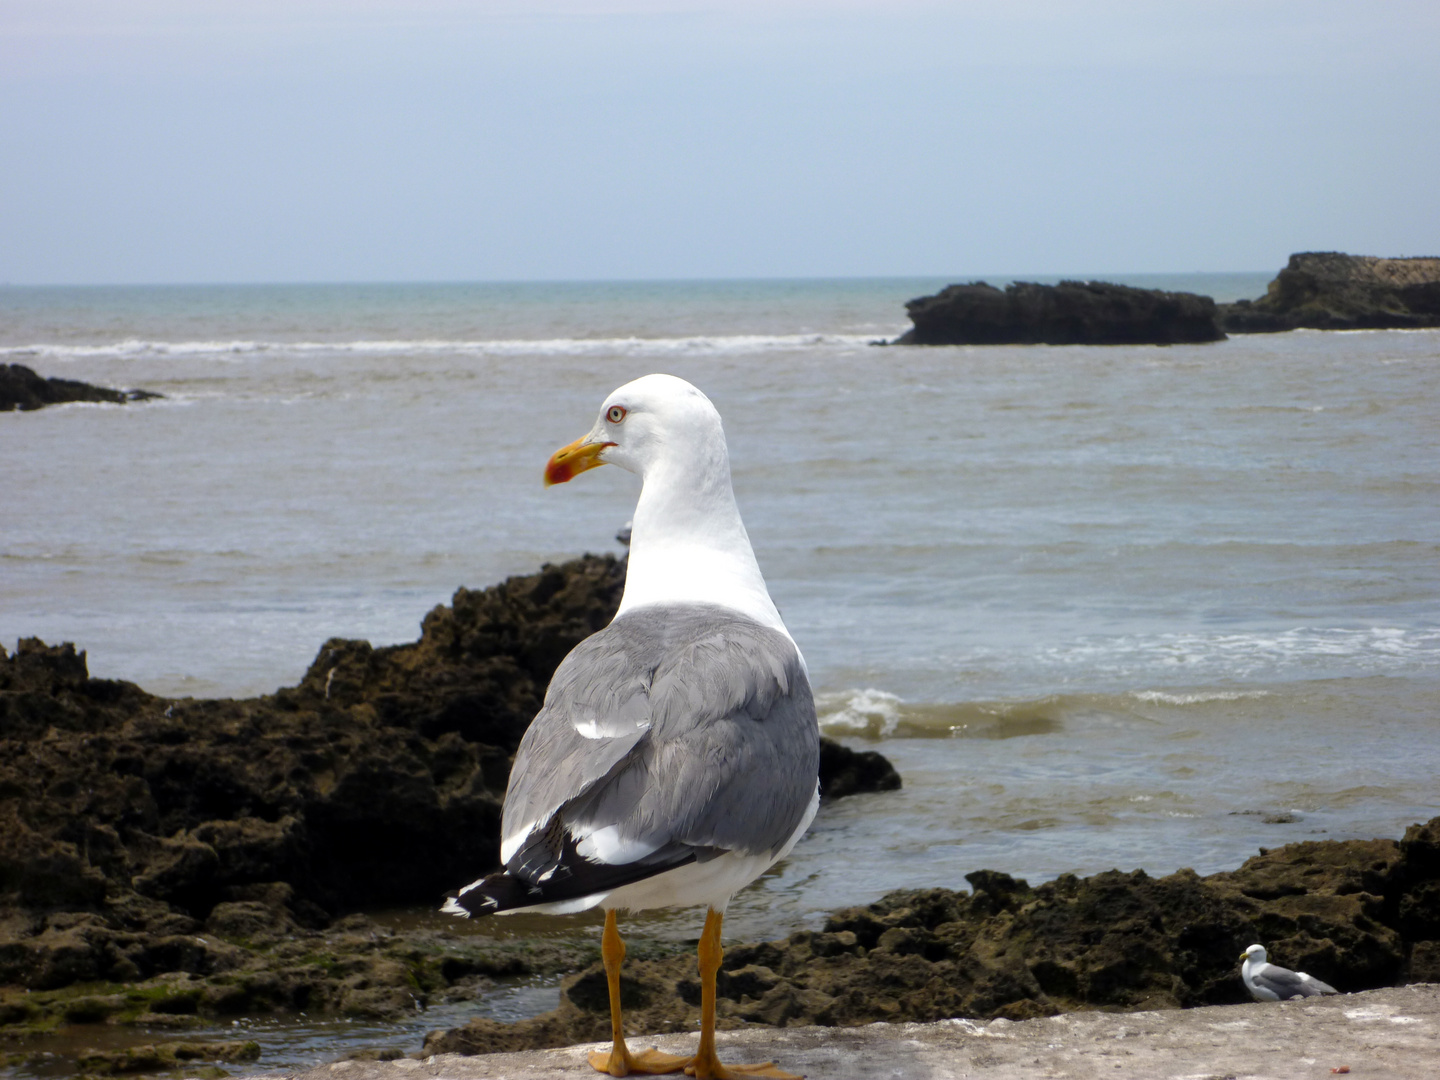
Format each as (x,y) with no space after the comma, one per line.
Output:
(159,1057)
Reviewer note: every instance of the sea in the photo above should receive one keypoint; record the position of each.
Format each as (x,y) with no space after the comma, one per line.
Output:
(1102,607)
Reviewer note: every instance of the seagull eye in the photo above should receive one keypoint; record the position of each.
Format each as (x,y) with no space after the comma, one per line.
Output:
(616,414)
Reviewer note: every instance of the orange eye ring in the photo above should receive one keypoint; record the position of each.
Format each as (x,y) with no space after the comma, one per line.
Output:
(615,414)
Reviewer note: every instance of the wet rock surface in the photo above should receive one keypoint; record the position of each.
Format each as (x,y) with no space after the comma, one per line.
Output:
(1071,313)
(1333,291)
(844,771)
(1358,914)
(183,858)
(357,968)
(21,389)
(160,1057)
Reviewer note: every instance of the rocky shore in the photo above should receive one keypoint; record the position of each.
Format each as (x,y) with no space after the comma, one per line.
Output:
(1332,291)
(173,861)
(166,863)
(23,390)
(1071,313)
(1359,914)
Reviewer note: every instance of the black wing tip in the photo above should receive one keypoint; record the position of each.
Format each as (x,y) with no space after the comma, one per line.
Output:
(490,895)
(568,878)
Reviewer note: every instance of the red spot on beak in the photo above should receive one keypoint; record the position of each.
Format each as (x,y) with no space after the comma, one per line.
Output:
(570,461)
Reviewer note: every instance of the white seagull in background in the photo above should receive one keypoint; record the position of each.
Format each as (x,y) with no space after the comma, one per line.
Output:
(677,754)
(1271,982)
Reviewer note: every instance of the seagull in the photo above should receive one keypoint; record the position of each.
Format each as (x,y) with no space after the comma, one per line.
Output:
(1271,982)
(677,754)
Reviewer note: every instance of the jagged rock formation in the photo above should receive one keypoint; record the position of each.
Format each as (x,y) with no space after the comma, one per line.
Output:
(1332,291)
(1071,313)
(22,389)
(146,839)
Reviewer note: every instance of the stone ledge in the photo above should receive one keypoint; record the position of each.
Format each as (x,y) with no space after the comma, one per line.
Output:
(1392,1033)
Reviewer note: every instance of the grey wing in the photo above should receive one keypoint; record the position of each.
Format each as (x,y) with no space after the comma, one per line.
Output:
(670,734)
(1282,982)
(733,758)
(596,709)
(1313,986)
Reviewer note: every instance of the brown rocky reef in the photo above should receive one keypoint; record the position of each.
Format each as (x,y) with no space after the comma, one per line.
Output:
(1327,290)
(1071,313)
(196,852)
(1359,914)
(22,389)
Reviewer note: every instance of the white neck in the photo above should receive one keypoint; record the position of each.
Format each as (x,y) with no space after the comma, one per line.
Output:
(687,543)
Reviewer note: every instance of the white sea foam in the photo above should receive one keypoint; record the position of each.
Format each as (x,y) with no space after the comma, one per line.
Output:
(136,349)
(1242,655)
(716,344)
(864,711)
(1159,697)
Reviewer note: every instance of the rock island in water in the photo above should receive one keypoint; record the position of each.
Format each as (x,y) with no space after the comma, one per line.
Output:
(1316,290)
(21,389)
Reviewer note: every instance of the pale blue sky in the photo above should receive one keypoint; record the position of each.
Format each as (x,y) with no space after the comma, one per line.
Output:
(319,140)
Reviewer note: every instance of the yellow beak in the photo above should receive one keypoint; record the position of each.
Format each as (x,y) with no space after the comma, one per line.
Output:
(570,461)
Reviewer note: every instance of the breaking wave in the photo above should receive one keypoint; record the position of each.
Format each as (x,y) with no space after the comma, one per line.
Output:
(871,713)
(1246,655)
(718,344)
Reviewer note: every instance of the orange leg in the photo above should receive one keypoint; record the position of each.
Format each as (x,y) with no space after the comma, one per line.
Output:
(619,1061)
(705,1065)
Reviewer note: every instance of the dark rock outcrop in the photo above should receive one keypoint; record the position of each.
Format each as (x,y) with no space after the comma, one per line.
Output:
(377,780)
(852,772)
(1071,313)
(250,959)
(1359,914)
(22,389)
(1332,291)
(160,1057)
(145,838)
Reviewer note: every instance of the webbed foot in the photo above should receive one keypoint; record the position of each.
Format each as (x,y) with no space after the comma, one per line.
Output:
(650,1062)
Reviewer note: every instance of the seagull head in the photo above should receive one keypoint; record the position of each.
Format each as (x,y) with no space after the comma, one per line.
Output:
(1255,953)
(654,419)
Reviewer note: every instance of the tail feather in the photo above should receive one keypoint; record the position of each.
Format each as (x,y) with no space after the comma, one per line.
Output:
(500,891)
(568,876)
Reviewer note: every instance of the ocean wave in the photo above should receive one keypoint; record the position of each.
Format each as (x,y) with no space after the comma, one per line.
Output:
(702,344)
(1244,655)
(1160,697)
(136,349)
(1356,330)
(872,713)
(866,711)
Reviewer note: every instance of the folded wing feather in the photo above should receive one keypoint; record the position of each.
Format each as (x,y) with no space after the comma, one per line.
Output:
(672,735)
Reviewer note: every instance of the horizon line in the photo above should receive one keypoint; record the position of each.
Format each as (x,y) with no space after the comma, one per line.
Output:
(1089,275)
